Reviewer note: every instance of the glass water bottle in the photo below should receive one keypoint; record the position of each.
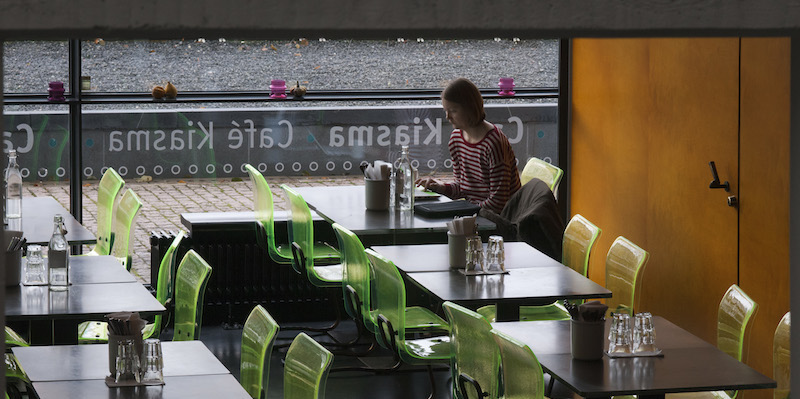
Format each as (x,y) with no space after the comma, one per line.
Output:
(405,181)
(13,187)
(58,256)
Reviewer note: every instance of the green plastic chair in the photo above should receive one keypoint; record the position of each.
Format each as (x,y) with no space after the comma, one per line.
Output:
(264,209)
(544,171)
(14,339)
(258,335)
(781,357)
(390,302)
(475,358)
(357,282)
(521,372)
(97,331)
(625,265)
(190,286)
(124,226)
(306,369)
(736,311)
(107,194)
(579,238)
(304,247)
(15,375)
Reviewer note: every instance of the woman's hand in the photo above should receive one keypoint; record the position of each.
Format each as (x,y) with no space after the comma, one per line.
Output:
(429,183)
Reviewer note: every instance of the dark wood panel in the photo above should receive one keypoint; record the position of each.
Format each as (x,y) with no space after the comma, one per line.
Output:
(648,116)
(764,210)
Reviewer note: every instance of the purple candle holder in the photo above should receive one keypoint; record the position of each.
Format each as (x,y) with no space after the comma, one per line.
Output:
(506,86)
(56,92)
(277,89)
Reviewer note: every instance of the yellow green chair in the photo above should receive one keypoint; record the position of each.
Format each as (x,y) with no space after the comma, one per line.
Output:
(390,302)
(264,209)
(97,331)
(190,287)
(258,336)
(522,376)
(475,358)
(579,238)
(306,369)
(107,194)
(15,375)
(734,321)
(357,289)
(781,357)
(625,264)
(304,245)
(124,227)
(544,171)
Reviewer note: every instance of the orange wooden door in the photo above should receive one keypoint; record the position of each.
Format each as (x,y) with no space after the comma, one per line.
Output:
(648,115)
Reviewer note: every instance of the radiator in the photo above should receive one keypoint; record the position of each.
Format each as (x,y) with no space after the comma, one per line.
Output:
(243,275)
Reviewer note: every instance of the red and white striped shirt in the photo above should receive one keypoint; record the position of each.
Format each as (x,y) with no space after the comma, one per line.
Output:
(486,172)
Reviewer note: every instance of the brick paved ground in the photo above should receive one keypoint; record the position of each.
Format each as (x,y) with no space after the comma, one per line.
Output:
(165,200)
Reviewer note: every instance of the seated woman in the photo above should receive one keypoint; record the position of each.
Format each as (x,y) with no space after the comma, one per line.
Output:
(484,164)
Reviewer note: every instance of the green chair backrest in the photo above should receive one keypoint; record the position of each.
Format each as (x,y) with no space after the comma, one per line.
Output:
(475,357)
(258,335)
(166,270)
(190,286)
(521,372)
(624,268)
(107,193)
(357,273)
(736,310)
(389,301)
(125,227)
(14,339)
(579,238)
(544,171)
(781,357)
(306,369)
(301,230)
(264,209)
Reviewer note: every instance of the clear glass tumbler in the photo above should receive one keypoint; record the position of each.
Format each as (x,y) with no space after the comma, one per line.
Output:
(35,267)
(495,255)
(474,254)
(619,337)
(128,365)
(644,333)
(152,362)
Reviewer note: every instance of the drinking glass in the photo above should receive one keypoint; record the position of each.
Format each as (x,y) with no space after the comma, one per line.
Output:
(152,362)
(128,366)
(474,254)
(619,336)
(495,255)
(644,333)
(35,268)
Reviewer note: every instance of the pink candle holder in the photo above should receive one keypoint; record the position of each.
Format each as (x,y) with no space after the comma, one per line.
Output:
(277,89)
(506,86)
(56,91)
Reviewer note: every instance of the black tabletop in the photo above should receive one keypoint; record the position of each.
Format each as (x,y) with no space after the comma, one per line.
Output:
(90,362)
(345,205)
(689,364)
(436,257)
(80,301)
(37,222)
(207,386)
(95,270)
(530,286)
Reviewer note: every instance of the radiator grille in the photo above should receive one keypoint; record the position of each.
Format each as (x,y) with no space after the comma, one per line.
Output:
(243,275)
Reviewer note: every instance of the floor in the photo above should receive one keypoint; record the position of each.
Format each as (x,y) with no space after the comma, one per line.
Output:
(407,383)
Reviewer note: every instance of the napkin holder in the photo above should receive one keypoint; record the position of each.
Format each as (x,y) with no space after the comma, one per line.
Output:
(376,194)
(457,246)
(113,345)
(13,257)
(587,339)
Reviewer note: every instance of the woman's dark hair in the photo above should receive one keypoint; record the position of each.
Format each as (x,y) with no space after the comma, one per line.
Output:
(463,92)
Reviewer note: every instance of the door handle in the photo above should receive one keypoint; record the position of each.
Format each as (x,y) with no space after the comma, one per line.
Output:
(716,183)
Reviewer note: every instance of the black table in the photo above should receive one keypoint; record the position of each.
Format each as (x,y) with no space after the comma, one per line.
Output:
(436,257)
(37,222)
(345,205)
(689,364)
(90,362)
(53,316)
(79,371)
(95,270)
(539,284)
